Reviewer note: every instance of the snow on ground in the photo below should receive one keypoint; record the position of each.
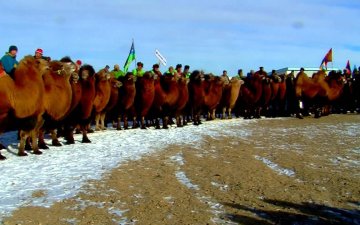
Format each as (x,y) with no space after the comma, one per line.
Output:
(276,167)
(60,171)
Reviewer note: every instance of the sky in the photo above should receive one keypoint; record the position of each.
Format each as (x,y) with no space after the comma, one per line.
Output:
(208,35)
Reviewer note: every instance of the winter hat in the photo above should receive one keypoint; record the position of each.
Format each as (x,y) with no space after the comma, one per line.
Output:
(12,47)
(78,62)
(39,50)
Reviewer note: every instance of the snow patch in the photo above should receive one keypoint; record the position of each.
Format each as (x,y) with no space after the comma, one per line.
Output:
(276,167)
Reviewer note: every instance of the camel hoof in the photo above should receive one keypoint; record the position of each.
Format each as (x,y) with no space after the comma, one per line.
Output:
(118,128)
(90,131)
(37,152)
(22,154)
(43,146)
(86,140)
(56,143)
(28,147)
(70,142)
(2,146)
(77,131)
(143,127)
(2,157)
(97,129)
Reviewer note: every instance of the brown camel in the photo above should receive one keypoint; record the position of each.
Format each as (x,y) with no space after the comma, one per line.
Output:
(22,101)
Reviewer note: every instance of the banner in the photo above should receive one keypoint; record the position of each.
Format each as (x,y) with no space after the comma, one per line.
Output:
(160,57)
(130,58)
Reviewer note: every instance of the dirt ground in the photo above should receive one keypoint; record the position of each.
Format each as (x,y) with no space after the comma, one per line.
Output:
(280,171)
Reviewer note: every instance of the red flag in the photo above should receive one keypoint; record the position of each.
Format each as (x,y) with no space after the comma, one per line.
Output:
(326,59)
(348,68)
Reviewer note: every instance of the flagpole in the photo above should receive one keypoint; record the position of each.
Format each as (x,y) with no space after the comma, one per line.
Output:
(134,48)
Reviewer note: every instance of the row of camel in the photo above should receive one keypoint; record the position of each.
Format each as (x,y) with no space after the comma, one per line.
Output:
(55,96)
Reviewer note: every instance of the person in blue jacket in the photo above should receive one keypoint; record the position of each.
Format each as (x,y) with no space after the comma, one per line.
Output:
(9,61)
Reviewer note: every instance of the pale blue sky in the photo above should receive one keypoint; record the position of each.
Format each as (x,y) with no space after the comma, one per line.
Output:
(209,35)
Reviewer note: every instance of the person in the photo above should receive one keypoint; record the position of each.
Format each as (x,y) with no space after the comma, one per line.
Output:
(186,72)
(156,70)
(250,74)
(9,61)
(139,72)
(225,76)
(39,55)
(117,71)
(178,71)
(240,74)
(170,71)
(107,67)
(78,64)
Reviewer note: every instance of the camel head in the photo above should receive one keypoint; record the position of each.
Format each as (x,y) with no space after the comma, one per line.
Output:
(115,83)
(29,66)
(197,76)
(86,71)
(103,75)
(69,69)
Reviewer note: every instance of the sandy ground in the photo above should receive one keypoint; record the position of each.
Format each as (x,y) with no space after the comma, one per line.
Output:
(285,171)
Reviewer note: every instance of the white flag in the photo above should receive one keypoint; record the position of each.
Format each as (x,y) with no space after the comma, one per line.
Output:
(160,57)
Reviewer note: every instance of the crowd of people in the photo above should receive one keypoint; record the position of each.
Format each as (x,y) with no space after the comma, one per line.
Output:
(9,64)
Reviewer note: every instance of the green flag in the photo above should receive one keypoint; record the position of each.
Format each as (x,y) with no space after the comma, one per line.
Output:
(130,58)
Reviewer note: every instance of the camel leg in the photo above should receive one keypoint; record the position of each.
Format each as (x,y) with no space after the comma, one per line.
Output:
(223,115)
(2,157)
(69,135)
(213,116)
(54,138)
(97,119)
(157,123)
(23,136)
(118,125)
(34,134)
(298,108)
(165,122)
(135,123)
(41,143)
(230,114)
(85,138)
(143,122)
(126,124)
(102,121)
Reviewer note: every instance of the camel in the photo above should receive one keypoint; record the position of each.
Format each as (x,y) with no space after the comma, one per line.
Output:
(57,100)
(182,101)
(278,90)
(213,93)
(145,94)
(22,101)
(251,93)
(318,89)
(196,95)
(127,93)
(229,97)
(81,114)
(102,97)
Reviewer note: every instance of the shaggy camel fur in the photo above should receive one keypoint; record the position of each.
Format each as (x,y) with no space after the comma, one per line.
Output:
(22,101)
